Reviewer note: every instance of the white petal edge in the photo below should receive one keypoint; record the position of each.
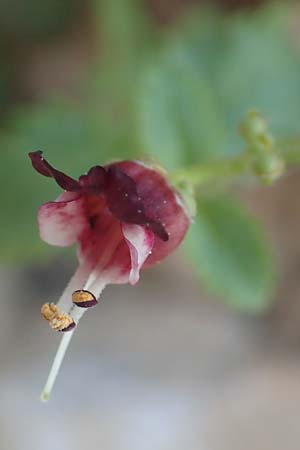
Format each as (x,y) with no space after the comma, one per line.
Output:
(140,242)
(61,221)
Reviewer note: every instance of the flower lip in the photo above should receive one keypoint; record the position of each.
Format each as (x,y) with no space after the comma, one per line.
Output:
(118,188)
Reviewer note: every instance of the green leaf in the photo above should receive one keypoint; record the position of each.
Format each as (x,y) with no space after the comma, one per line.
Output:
(231,255)
(177,112)
(260,68)
(208,73)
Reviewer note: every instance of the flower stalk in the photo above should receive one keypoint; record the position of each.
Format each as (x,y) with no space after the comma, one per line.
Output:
(206,173)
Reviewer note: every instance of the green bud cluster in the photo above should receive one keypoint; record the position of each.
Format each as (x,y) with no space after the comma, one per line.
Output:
(266,163)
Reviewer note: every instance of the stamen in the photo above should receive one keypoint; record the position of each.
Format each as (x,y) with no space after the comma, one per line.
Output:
(77,314)
(79,278)
(84,299)
(57,320)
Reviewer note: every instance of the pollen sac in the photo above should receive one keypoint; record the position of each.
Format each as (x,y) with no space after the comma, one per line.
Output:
(84,299)
(58,320)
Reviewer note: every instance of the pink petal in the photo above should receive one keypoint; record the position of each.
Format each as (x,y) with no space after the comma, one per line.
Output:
(140,242)
(62,221)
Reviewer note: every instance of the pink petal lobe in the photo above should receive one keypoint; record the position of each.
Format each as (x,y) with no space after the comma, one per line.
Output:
(62,221)
(140,242)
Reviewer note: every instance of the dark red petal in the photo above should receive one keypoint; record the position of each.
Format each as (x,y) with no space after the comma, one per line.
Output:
(94,181)
(158,229)
(161,203)
(124,202)
(44,168)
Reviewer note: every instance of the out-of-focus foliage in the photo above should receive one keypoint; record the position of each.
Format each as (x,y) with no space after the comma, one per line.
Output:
(35,19)
(175,95)
(231,255)
(209,73)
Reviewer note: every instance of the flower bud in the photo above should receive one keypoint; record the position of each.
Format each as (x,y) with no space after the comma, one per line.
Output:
(269,167)
(253,127)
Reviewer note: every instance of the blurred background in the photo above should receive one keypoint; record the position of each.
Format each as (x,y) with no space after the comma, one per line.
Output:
(162,365)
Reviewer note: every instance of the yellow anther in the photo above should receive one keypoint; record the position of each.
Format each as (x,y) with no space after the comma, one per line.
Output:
(58,320)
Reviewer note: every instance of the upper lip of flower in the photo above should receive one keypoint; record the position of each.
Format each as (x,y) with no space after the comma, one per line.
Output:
(119,189)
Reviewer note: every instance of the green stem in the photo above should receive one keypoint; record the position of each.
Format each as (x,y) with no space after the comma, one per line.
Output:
(207,172)
(287,150)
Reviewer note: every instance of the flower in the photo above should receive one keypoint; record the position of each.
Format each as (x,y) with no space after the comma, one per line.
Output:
(123,217)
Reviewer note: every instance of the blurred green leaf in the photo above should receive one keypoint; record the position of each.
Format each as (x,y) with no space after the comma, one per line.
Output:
(208,73)
(125,34)
(231,254)
(261,68)
(177,112)
(124,30)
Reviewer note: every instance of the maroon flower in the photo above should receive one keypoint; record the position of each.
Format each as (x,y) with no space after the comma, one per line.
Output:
(123,216)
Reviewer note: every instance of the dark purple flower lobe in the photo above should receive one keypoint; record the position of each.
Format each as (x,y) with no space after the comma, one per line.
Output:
(125,203)
(44,168)
(95,181)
